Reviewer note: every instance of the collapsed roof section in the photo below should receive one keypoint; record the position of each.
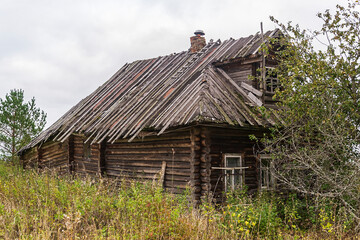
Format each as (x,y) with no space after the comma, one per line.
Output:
(168,91)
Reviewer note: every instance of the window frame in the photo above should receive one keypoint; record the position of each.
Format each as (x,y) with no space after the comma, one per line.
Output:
(266,182)
(271,82)
(231,170)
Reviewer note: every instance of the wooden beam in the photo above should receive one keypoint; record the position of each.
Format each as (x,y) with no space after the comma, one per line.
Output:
(251,89)
(71,154)
(162,173)
(102,160)
(39,156)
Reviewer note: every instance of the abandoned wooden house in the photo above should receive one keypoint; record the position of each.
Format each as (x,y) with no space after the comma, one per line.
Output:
(188,115)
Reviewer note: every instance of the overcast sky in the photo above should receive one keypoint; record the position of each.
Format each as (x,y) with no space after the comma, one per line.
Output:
(59,51)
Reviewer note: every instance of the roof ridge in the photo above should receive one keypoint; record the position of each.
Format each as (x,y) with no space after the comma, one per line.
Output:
(162,92)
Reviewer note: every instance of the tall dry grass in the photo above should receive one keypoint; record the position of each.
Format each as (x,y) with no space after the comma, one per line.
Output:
(47,206)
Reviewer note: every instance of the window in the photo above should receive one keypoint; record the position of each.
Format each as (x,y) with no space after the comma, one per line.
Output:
(271,80)
(266,179)
(234,171)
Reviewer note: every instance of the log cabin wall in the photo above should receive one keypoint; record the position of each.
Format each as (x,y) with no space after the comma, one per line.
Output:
(142,159)
(241,72)
(224,141)
(86,157)
(54,155)
(189,156)
(30,158)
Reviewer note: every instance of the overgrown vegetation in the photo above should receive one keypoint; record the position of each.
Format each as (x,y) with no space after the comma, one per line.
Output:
(316,150)
(47,206)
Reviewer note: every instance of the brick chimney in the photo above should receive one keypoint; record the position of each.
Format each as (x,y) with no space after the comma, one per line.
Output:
(198,41)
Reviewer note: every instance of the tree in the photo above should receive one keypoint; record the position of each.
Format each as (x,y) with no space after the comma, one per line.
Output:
(316,150)
(19,123)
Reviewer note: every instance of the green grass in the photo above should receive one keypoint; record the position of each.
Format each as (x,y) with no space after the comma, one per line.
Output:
(47,206)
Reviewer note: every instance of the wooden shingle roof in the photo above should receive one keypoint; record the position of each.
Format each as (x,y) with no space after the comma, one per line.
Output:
(163,92)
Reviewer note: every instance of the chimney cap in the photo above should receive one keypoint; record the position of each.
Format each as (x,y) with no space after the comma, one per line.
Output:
(199,32)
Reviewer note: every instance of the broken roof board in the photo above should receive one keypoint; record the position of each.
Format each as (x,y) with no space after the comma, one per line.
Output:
(164,92)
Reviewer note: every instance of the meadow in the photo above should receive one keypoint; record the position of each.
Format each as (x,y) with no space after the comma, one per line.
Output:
(44,205)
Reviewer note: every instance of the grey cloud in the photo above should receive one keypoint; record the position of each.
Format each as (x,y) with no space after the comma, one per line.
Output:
(60,51)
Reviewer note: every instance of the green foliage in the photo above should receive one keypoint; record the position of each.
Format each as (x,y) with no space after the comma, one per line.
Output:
(19,123)
(48,206)
(317,149)
(244,216)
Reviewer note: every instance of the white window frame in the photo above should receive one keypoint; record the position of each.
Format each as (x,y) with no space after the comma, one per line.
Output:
(230,185)
(267,181)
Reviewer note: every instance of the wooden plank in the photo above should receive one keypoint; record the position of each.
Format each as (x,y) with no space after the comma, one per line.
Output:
(251,89)
(102,158)
(162,173)
(147,151)
(257,101)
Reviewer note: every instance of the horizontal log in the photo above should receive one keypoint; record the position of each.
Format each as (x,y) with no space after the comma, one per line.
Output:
(165,137)
(177,184)
(50,160)
(52,151)
(164,144)
(156,164)
(54,155)
(54,164)
(141,172)
(177,178)
(50,144)
(86,160)
(147,157)
(86,166)
(147,151)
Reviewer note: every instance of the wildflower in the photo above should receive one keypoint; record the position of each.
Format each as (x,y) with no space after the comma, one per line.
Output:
(241,229)
(246,223)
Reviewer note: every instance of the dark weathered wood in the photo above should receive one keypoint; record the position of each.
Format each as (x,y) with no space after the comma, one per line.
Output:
(189,156)
(231,141)
(205,164)
(30,158)
(102,158)
(195,161)
(39,157)
(144,159)
(162,173)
